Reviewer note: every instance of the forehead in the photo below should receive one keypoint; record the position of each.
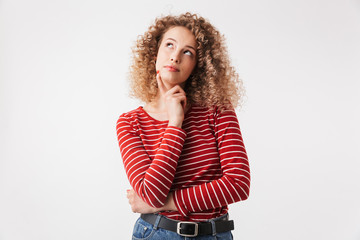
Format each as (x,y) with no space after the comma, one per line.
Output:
(182,35)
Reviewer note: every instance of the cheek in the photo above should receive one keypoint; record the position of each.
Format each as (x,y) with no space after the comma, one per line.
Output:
(157,64)
(192,66)
(159,58)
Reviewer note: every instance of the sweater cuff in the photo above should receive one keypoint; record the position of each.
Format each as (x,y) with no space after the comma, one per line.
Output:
(179,203)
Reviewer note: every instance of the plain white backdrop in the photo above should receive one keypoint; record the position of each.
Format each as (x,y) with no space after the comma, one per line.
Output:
(64,83)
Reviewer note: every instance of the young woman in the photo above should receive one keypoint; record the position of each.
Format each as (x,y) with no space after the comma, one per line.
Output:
(183,151)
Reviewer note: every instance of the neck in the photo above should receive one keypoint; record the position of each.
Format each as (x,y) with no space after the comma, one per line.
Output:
(158,103)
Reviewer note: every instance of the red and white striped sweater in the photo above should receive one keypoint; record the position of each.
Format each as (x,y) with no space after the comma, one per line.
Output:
(204,163)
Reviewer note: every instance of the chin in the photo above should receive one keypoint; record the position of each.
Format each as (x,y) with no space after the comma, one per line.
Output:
(172,81)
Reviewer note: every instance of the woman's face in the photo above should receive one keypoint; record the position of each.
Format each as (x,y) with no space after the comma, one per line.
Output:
(176,57)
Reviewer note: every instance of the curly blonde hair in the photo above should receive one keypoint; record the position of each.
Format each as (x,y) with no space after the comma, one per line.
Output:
(214,82)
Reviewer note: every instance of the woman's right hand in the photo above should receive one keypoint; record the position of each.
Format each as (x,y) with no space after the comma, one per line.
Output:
(175,102)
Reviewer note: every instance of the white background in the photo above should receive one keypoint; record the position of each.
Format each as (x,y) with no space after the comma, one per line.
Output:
(64,83)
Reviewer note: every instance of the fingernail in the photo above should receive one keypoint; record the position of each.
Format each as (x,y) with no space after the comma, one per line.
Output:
(157,72)
(128,190)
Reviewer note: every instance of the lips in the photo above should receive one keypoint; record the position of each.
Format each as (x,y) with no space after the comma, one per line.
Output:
(171,68)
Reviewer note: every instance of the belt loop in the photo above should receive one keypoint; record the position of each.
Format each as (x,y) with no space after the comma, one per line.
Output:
(157,221)
(213,227)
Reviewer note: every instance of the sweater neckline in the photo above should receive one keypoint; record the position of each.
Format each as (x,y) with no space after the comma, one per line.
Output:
(141,108)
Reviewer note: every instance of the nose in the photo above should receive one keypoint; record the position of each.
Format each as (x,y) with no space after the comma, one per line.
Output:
(175,57)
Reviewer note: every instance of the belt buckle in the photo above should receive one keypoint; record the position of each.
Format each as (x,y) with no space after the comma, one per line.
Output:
(196,229)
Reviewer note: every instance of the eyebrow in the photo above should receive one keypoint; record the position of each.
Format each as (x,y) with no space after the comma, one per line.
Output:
(185,46)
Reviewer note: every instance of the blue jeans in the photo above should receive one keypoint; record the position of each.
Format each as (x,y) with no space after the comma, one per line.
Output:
(146,231)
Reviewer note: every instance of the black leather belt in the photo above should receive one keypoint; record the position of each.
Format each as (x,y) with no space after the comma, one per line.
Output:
(190,229)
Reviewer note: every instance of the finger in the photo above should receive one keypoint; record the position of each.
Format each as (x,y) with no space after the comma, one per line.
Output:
(177,96)
(176,89)
(129,193)
(184,102)
(160,83)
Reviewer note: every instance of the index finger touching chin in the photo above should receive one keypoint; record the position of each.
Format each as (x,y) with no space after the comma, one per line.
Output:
(160,83)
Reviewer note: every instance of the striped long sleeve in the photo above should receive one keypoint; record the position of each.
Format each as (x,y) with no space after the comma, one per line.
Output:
(234,184)
(151,176)
(204,164)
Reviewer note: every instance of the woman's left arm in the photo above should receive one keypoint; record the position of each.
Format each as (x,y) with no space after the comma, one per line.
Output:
(234,185)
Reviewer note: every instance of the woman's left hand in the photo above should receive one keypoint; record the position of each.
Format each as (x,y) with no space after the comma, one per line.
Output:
(138,205)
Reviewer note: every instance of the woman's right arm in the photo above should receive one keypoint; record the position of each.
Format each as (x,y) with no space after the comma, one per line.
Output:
(151,179)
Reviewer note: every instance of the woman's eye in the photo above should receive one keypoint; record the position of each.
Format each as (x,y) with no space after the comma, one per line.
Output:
(187,52)
(170,45)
